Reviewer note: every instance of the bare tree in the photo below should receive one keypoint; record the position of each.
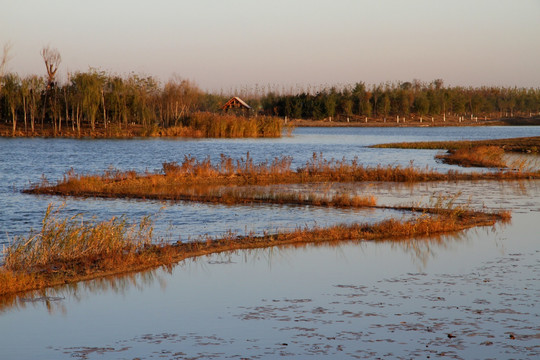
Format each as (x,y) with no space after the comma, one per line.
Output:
(3,61)
(52,60)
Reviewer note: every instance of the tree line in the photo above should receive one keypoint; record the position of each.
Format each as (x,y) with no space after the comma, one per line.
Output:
(96,99)
(404,99)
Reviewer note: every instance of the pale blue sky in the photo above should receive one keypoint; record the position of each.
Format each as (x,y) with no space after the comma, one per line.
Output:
(222,44)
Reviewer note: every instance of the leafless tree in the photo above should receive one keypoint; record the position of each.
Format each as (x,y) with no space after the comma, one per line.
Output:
(4,60)
(52,60)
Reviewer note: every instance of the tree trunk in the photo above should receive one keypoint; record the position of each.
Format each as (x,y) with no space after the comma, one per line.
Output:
(14,117)
(78,121)
(104,112)
(24,112)
(67,108)
(43,111)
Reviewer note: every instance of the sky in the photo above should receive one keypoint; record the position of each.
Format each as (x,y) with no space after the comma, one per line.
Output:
(227,44)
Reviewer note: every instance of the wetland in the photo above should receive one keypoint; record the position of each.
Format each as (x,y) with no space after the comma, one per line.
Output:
(467,294)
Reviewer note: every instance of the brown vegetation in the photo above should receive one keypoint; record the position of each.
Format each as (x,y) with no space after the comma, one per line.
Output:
(196,125)
(524,145)
(480,156)
(197,180)
(68,250)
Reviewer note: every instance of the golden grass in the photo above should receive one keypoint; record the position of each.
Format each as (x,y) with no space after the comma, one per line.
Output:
(248,195)
(525,144)
(74,240)
(212,125)
(197,125)
(54,256)
(177,181)
(479,156)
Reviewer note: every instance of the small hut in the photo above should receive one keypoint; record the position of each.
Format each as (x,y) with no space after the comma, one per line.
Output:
(237,105)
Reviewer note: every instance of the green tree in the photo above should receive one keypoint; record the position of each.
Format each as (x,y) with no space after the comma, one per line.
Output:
(89,86)
(421,104)
(12,91)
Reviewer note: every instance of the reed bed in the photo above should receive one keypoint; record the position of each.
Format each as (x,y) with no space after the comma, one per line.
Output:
(525,145)
(212,125)
(479,156)
(248,195)
(72,239)
(175,181)
(69,250)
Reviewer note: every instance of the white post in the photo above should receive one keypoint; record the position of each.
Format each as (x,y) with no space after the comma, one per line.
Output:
(420,119)
(398,119)
(366,119)
(347,119)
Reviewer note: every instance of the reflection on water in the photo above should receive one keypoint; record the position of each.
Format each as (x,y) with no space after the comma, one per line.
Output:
(53,299)
(523,162)
(356,299)
(473,294)
(421,251)
(20,166)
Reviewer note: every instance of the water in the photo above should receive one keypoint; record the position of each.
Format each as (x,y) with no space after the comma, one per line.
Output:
(25,161)
(474,295)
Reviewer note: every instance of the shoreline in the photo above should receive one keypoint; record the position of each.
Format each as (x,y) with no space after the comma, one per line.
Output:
(415,122)
(164,254)
(138,131)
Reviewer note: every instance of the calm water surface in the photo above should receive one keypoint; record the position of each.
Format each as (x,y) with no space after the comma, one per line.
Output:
(474,295)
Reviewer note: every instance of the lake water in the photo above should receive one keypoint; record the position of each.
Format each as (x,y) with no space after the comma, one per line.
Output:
(473,295)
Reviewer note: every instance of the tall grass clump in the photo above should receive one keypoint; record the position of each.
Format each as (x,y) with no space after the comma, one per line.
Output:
(232,126)
(71,250)
(479,156)
(173,180)
(72,241)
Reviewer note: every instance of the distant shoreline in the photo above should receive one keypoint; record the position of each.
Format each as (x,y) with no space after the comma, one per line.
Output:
(415,122)
(137,131)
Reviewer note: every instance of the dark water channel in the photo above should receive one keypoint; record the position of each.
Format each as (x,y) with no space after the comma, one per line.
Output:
(472,295)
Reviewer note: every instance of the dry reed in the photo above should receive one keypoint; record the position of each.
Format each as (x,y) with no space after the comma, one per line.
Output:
(175,181)
(54,256)
(525,144)
(74,240)
(211,125)
(479,156)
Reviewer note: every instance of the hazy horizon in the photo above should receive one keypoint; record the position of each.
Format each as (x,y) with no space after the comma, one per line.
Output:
(223,45)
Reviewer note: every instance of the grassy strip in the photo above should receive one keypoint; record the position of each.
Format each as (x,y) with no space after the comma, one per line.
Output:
(479,156)
(55,255)
(525,145)
(231,196)
(177,181)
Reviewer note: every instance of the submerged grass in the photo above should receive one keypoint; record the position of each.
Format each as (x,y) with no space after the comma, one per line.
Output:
(69,250)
